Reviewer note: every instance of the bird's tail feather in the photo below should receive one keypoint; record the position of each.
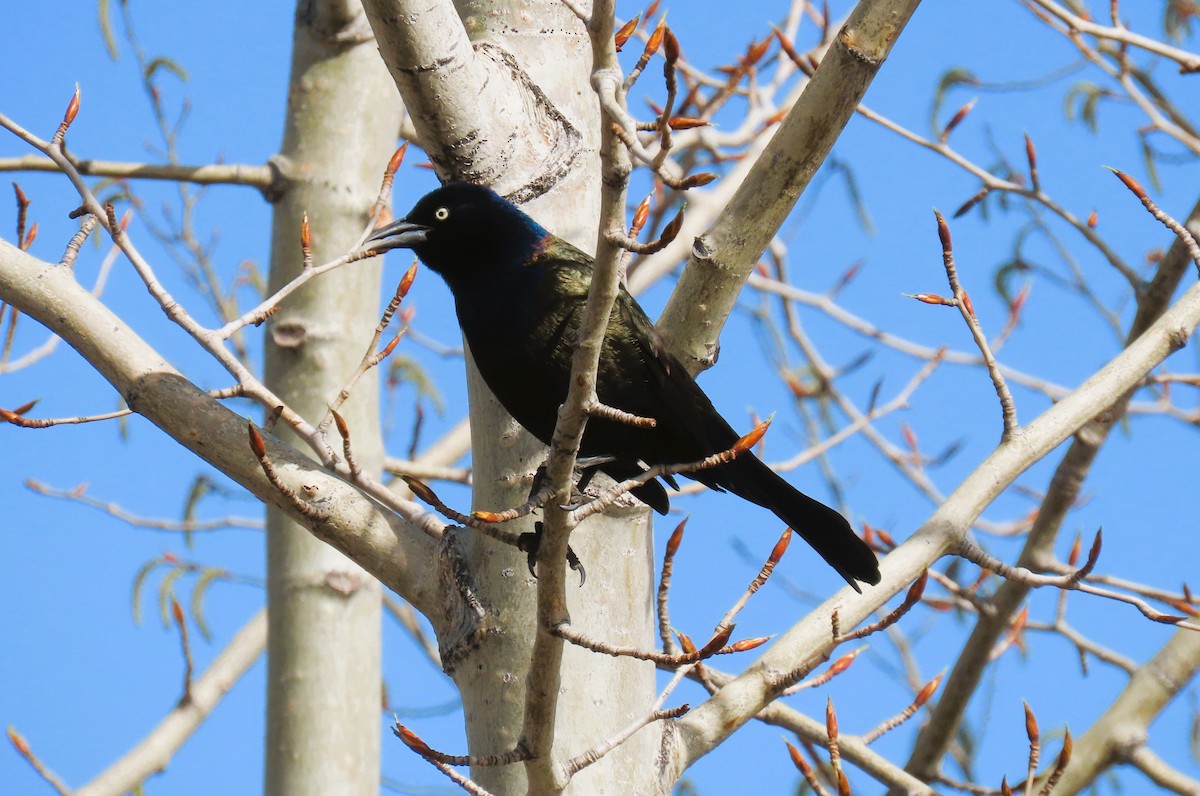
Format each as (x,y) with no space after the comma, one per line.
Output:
(825,530)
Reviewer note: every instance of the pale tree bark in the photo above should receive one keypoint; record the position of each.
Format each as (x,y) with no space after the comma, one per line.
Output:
(496,99)
(1065,487)
(323,655)
(513,109)
(1122,733)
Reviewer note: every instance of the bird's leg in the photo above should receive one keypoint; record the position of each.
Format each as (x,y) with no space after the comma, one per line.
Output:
(585,468)
(529,544)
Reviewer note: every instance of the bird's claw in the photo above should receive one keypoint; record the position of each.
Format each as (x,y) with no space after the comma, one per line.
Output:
(529,543)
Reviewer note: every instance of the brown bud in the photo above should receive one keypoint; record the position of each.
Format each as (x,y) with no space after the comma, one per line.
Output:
(798,760)
(1093,219)
(256,442)
(671,230)
(22,200)
(974,200)
(831,722)
(685,642)
(1076,549)
(843,663)
(390,347)
(1130,183)
(885,537)
(917,588)
(626,31)
(72,107)
(420,489)
(1184,606)
(956,119)
(1019,623)
(676,538)
(719,640)
(1094,551)
(781,546)
(966,301)
(397,158)
(1019,301)
(686,123)
(749,643)
(640,216)
(18,741)
(486,516)
(305,233)
(656,38)
(25,407)
(650,9)
(340,422)
(407,280)
(757,50)
(411,739)
(943,232)
(696,180)
(670,47)
(931,298)
(176,611)
(927,691)
(1005,789)
(1064,756)
(786,44)
(843,783)
(750,440)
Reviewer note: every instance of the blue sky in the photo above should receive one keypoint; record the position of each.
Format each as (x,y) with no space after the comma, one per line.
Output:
(83,682)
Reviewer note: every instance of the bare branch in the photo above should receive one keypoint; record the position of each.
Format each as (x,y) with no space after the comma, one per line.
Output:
(260,177)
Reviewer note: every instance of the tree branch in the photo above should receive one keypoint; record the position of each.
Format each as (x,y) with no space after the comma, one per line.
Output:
(1065,487)
(159,746)
(382,543)
(798,650)
(260,177)
(722,258)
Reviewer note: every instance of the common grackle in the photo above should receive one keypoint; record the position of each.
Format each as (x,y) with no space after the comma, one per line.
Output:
(520,294)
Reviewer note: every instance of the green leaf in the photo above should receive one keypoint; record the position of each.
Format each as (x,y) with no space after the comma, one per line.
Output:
(1005,275)
(106,30)
(1148,157)
(206,578)
(138,581)
(1086,95)
(162,62)
(1177,19)
(856,200)
(201,486)
(404,370)
(166,590)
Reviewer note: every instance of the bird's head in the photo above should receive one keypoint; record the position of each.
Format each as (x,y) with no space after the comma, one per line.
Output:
(460,228)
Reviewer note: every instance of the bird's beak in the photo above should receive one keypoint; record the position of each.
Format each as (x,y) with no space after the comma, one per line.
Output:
(397,235)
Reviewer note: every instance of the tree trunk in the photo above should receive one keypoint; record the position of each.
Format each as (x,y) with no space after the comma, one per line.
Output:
(323,670)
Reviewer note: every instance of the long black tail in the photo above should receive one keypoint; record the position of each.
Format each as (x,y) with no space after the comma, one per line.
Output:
(825,530)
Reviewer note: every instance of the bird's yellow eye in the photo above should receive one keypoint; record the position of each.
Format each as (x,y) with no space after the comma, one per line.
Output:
(441,214)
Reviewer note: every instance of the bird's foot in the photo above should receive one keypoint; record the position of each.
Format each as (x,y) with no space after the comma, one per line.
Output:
(529,543)
(585,468)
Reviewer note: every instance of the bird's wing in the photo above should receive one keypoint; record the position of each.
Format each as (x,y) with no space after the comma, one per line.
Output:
(639,375)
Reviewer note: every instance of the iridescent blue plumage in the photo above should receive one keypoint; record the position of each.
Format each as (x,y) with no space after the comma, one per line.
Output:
(519,293)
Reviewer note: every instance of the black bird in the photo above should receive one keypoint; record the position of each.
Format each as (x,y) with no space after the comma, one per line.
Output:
(520,294)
